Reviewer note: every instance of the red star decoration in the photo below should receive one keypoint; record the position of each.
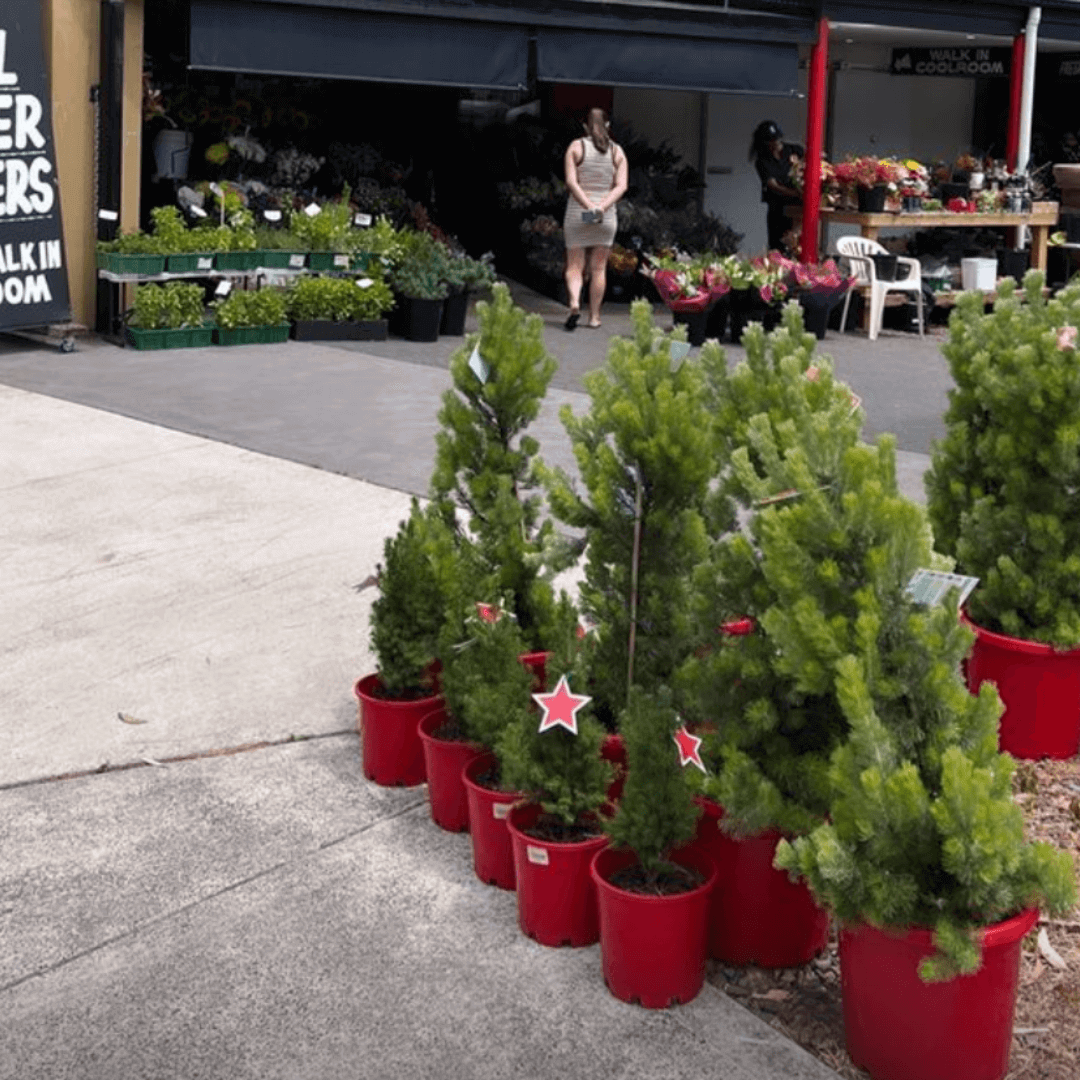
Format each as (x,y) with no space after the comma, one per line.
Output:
(561,707)
(688,748)
(489,613)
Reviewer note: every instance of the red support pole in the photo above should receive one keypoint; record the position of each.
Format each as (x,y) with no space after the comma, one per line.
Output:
(815,137)
(1016,89)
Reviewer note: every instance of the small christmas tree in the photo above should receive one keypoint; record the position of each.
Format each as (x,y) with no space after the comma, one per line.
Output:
(646,457)
(656,813)
(408,615)
(486,463)
(923,829)
(1004,484)
(561,768)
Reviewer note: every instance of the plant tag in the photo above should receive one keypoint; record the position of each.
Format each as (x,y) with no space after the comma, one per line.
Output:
(272,215)
(930,586)
(679,352)
(363,220)
(477,365)
(536,855)
(108,215)
(197,211)
(341,261)
(204,262)
(364,283)
(312,209)
(501,810)
(296,262)
(223,289)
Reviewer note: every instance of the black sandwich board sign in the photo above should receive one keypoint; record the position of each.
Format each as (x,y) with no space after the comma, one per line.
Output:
(33,274)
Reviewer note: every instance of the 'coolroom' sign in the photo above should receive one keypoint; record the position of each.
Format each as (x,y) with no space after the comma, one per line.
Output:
(33,277)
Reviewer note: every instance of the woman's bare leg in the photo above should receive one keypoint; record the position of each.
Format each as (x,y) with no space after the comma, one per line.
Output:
(598,257)
(575,270)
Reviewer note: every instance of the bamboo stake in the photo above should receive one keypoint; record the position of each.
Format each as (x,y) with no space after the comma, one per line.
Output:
(635,558)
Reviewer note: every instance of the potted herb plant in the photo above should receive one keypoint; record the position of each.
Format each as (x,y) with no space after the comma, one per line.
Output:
(340,308)
(178,243)
(1004,504)
(406,620)
(557,759)
(135,253)
(326,232)
(419,278)
(249,318)
(168,316)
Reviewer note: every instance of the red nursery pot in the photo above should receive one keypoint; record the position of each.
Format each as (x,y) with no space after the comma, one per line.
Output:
(757,915)
(1040,688)
(445,759)
(652,947)
(493,857)
(391,748)
(898,1027)
(555,891)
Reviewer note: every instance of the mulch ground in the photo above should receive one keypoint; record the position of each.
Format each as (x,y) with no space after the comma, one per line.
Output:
(804,1003)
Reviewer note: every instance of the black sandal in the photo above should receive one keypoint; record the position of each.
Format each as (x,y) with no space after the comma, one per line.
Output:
(572,320)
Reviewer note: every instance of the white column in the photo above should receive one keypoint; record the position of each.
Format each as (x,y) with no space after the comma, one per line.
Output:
(1027,91)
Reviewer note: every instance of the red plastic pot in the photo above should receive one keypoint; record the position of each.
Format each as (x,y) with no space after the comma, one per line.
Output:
(1040,688)
(757,915)
(555,891)
(536,662)
(898,1027)
(391,748)
(653,947)
(493,856)
(445,759)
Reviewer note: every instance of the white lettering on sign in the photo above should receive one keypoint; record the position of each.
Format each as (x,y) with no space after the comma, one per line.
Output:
(28,290)
(27,110)
(7,78)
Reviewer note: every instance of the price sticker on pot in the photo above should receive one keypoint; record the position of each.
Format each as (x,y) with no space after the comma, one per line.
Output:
(363,220)
(501,810)
(223,289)
(477,365)
(341,262)
(297,261)
(204,262)
(272,215)
(538,856)
(313,209)
(364,283)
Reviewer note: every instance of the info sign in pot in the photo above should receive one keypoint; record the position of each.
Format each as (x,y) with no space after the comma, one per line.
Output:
(33,275)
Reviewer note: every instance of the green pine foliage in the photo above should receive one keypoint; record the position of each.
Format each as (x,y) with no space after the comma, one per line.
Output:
(1004,484)
(648,430)
(409,613)
(486,686)
(486,463)
(656,812)
(923,829)
(563,772)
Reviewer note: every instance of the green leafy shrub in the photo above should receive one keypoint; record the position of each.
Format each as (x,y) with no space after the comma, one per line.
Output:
(167,307)
(340,299)
(486,463)
(382,240)
(133,243)
(264,307)
(1003,490)
(331,229)
(421,271)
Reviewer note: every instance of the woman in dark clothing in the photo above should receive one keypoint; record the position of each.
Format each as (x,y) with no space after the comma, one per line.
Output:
(773,159)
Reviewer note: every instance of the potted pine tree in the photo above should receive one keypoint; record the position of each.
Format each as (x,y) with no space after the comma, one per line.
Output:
(557,759)
(923,858)
(407,618)
(1004,501)
(652,889)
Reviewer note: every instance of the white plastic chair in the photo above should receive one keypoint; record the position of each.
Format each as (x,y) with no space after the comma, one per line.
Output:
(858,251)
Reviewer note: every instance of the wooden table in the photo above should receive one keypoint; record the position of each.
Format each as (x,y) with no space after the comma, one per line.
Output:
(1042,219)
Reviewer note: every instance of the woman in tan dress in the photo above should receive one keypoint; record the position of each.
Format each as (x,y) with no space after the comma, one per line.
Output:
(596,179)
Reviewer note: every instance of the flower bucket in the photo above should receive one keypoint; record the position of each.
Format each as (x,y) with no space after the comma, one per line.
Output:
(872,199)
(897,1027)
(653,947)
(1040,688)
(444,760)
(392,753)
(493,856)
(757,915)
(555,891)
(696,323)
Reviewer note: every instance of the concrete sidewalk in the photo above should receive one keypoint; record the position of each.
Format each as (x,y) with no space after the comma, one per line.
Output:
(264,913)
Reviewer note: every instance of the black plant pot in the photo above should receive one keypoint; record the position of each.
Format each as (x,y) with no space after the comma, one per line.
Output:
(696,323)
(422,319)
(1012,264)
(455,308)
(717,324)
(816,311)
(872,200)
(747,307)
(911,204)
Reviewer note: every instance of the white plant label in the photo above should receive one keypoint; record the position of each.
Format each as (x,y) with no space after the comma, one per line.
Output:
(363,220)
(198,211)
(341,261)
(204,262)
(272,215)
(216,189)
(930,586)
(679,352)
(536,855)
(312,209)
(296,261)
(364,283)
(108,215)
(501,810)
(477,365)
(223,289)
